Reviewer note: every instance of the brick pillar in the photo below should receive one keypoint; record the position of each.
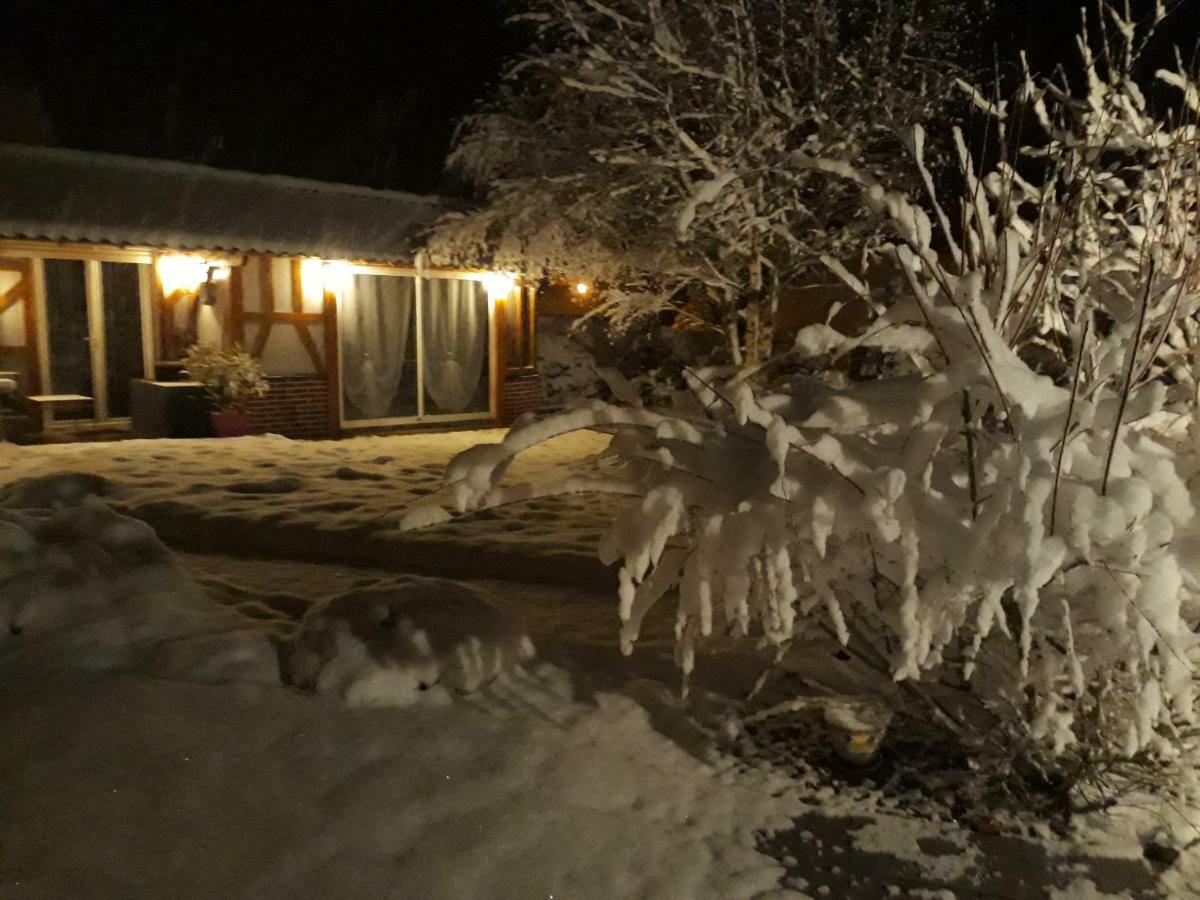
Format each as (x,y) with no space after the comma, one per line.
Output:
(520,394)
(297,406)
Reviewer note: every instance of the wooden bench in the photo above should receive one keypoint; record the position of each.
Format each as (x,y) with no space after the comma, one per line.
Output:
(45,405)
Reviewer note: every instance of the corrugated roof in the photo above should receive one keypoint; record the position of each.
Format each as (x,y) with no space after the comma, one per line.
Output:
(70,195)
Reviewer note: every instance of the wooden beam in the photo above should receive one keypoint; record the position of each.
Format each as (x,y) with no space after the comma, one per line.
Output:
(12,298)
(94,291)
(496,359)
(260,339)
(107,252)
(266,303)
(146,281)
(333,367)
(40,333)
(297,288)
(310,345)
(33,341)
(306,318)
(237,308)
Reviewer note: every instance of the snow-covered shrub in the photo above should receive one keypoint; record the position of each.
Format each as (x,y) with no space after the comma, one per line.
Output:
(972,521)
(85,588)
(231,378)
(418,641)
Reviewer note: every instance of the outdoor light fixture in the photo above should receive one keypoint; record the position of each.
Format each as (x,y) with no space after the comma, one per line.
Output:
(582,288)
(181,274)
(312,282)
(336,275)
(499,285)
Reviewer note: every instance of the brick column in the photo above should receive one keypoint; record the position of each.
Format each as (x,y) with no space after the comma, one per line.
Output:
(297,406)
(520,394)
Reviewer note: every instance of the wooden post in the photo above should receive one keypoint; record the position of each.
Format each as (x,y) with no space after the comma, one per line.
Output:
(94,291)
(499,357)
(333,363)
(237,308)
(33,356)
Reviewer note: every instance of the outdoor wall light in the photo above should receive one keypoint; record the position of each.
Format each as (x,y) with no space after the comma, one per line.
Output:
(181,274)
(499,285)
(312,282)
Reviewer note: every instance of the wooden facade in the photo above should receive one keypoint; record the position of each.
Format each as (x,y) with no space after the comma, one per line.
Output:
(257,301)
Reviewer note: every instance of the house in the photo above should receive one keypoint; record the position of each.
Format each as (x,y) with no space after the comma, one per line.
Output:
(110,267)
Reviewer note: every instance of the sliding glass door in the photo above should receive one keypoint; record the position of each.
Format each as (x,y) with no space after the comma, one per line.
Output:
(412,349)
(454,346)
(379,347)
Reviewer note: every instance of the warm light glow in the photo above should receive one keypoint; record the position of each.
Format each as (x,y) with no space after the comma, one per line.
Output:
(337,275)
(499,285)
(8,280)
(219,273)
(181,274)
(312,282)
(583,288)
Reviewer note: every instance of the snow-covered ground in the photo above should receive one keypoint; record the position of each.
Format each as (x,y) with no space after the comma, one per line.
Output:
(157,741)
(339,501)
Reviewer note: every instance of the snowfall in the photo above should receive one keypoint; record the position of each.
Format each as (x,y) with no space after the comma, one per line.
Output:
(226,672)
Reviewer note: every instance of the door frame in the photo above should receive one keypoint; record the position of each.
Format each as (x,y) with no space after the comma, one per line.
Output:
(94,293)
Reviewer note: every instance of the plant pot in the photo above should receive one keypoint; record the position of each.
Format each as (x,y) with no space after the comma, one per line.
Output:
(230,423)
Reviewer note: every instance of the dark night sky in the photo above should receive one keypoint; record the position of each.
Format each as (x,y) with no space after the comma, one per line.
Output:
(363,91)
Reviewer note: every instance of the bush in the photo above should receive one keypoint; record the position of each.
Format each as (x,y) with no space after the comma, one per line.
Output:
(966,519)
(231,378)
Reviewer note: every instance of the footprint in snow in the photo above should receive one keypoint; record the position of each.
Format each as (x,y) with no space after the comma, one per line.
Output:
(271,486)
(345,473)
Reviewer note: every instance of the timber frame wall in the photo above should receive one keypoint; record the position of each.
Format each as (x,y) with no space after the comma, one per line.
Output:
(513,389)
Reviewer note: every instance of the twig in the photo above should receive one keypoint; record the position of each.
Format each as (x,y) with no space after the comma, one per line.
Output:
(969,434)
(1062,445)
(1137,339)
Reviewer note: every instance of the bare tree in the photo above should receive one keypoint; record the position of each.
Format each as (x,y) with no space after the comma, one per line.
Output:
(651,144)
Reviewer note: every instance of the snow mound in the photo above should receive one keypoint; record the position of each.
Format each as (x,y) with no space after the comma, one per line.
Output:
(83,587)
(392,647)
(49,491)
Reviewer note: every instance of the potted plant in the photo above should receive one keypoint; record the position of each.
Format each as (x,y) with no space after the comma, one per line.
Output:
(231,379)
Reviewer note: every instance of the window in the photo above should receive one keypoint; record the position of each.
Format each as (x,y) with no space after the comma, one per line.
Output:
(411,348)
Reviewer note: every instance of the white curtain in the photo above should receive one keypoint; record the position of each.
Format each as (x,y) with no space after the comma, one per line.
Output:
(454,332)
(376,312)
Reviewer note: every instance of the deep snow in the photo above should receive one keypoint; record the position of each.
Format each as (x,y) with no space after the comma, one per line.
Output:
(339,500)
(151,749)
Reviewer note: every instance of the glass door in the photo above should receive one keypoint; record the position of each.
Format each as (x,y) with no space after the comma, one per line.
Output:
(454,347)
(121,318)
(67,333)
(94,333)
(412,349)
(380,371)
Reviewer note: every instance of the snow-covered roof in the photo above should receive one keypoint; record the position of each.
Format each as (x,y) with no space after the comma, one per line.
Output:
(70,195)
